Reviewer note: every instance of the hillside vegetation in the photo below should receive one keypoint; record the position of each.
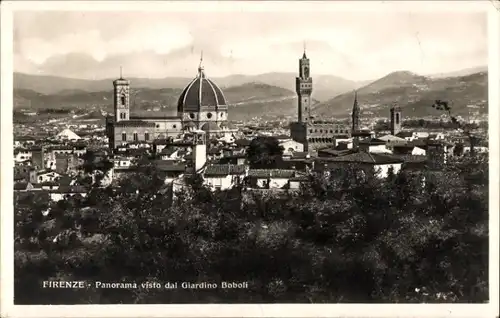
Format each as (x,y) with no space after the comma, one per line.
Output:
(347,238)
(325,86)
(414,93)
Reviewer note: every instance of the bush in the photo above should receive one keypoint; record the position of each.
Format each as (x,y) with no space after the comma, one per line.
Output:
(347,237)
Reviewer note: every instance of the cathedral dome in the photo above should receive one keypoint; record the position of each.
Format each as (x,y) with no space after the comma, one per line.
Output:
(200,92)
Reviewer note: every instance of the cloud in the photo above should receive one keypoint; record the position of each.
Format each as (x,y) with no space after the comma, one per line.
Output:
(356,45)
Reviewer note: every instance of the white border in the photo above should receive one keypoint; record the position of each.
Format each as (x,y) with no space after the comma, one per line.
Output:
(278,310)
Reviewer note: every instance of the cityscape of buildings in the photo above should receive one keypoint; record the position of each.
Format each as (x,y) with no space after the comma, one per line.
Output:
(199,139)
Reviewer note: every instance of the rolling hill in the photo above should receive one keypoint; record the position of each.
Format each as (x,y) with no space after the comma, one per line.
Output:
(325,86)
(247,100)
(414,93)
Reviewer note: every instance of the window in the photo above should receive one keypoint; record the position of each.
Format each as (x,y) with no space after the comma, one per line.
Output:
(321,130)
(221,115)
(310,130)
(336,131)
(209,115)
(397,118)
(135,137)
(174,126)
(157,126)
(191,115)
(124,136)
(122,100)
(146,136)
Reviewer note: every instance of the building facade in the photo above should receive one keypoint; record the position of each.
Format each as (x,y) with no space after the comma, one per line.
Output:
(395,120)
(311,133)
(201,106)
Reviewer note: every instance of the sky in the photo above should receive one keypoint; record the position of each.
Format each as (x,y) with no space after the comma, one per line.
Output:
(353,45)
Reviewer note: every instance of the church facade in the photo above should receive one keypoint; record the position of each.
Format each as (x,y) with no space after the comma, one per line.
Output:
(201,106)
(313,134)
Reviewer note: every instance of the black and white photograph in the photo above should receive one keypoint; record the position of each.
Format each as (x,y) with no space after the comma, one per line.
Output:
(250,153)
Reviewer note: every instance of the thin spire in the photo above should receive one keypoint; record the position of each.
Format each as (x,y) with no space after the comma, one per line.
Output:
(355,105)
(121,72)
(304,55)
(200,67)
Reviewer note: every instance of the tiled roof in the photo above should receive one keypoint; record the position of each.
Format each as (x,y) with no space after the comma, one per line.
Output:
(138,115)
(201,91)
(404,134)
(299,155)
(365,157)
(134,123)
(189,124)
(372,141)
(168,151)
(271,173)
(413,158)
(168,166)
(228,125)
(405,145)
(224,170)
(361,134)
(282,137)
(24,138)
(391,137)
(210,126)
(162,141)
(334,152)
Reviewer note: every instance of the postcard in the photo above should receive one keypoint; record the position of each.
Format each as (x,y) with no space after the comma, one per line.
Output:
(244,159)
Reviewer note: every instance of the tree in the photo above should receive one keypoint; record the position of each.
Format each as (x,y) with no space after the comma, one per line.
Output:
(346,236)
(265,152)
(95,167)
(466,129)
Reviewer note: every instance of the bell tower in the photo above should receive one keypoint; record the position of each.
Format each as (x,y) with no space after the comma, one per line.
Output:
(121,101)
(303,87)
(355,114)
(395,119)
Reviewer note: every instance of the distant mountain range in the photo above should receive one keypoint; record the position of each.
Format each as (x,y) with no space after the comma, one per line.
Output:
(415,94)
(246,101)
(325,86)
(270,95)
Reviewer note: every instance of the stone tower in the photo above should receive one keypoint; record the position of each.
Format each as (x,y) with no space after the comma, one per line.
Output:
(199,150)
(355,114)
(395,119)
(303,87)
(121,100)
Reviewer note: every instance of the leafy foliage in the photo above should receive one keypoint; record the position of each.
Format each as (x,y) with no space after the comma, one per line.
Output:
(345,236)
(264,152)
